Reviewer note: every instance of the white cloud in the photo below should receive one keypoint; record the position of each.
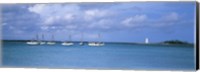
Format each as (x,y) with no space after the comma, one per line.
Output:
(171,17)
(44,27)
(69,17)
(95,13)
(51,13)
(136,20)
(102,24)
(71,27)
(53,27)
(72,17)
(49,20)
(69,14)
(167,20)
(38,8)
(142,20)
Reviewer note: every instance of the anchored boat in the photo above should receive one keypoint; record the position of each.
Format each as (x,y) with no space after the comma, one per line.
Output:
(52,42)
(68,43)
(33,42)
(42,40)
(96,43)
(81,42)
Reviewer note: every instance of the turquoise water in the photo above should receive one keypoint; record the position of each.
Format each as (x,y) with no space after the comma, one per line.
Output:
(110,56)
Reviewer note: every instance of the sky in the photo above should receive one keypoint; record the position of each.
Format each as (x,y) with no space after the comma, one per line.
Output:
(114,22)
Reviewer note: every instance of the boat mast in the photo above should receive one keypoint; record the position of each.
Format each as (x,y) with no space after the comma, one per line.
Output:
(43,37)
(37,38)
(99,37)
(32,39)
(52,37)
(69,37)
(81,37)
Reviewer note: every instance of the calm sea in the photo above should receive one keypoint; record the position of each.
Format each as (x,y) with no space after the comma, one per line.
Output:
(110,56)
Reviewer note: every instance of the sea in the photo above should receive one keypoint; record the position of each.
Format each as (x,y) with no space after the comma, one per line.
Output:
(119,56)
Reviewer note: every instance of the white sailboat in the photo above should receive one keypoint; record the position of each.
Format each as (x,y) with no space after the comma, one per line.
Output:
(81,42)
(33,42)
(96,43)
(68,43)
(42,40)
(52,42)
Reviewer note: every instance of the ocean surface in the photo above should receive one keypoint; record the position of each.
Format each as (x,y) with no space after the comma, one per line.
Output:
(110,56)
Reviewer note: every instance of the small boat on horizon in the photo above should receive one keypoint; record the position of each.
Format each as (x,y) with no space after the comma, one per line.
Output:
(68,43)
(96,43)
(81,41)
(34,42)
(52,42)
(42,40)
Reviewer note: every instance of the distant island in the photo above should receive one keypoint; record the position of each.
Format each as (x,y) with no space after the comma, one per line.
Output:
(175,42)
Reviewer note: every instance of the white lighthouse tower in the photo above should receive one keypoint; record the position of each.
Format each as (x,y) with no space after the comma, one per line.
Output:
(146,40)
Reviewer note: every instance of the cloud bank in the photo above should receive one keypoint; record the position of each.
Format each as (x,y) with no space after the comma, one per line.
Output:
(92,18)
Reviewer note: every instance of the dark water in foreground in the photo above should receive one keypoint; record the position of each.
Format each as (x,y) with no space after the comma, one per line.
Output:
(110,56)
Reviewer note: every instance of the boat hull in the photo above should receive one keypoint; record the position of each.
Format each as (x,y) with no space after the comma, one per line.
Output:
(51,43)
(81,43)
(95,44)
(32,43)
(67,44)
(41,43)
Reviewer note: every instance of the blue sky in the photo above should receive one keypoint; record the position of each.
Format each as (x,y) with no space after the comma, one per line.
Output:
(115,22)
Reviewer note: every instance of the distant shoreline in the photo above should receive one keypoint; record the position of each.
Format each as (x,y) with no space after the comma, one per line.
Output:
(161,43)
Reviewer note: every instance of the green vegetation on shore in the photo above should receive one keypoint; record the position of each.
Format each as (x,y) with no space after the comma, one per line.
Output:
(15,40)
(175,42)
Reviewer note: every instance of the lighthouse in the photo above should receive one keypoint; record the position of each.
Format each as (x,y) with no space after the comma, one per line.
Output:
(146,40)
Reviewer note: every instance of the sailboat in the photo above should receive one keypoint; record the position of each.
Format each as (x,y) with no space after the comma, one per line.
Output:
(42,40)
(52,41)
(68,43)
(81,42)
(96,43)
(33,42)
